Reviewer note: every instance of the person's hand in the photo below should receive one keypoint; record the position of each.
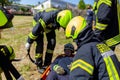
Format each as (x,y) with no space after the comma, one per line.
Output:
(27,46)
(58,69)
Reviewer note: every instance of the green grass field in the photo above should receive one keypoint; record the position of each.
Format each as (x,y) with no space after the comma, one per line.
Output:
(17,36)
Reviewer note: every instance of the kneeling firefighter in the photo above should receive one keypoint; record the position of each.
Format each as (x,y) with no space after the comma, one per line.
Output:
(7,55)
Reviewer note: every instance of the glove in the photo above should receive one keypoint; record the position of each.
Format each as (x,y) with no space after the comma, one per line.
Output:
(27,46)
(58,69)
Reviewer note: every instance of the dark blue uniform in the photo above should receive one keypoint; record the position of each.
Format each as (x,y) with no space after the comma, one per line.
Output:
(106,18)
(44,22)
(94,60)
(89,17)
(63,61)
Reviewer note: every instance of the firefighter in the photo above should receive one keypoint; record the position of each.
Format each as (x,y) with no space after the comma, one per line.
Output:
(6,17)
(107,21)
(89,17)
(7,55)
(94,60)
(46,21)
(60,68)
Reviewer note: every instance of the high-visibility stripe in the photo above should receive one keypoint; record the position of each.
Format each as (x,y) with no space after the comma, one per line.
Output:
(3,19)
(49,51)
(83,65)
(38,55)
(34,23)
(32,36)
(101,26)
(3,51)
(118,10)
(50,9)
(113,41)
(44,26)
(108,2)
(55,67)
(112,72)
(42,23)
(97,5)
(106,52)
(12,54)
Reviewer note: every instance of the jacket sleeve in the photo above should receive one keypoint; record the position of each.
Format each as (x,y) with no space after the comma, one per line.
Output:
(35,32)
(55,62)
(103,14)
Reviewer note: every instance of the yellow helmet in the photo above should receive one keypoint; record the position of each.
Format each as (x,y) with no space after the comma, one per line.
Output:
(63,17)
(75,26)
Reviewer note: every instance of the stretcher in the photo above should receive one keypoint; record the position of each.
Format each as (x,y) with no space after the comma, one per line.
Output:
(45,73)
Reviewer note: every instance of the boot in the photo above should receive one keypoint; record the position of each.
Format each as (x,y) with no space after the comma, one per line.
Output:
(40,68)
(48,59)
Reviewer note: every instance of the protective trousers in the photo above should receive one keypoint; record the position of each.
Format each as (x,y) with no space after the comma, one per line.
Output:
(51,39)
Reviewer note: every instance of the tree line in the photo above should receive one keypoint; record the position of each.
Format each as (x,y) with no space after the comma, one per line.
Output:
(81,4)
(8,2)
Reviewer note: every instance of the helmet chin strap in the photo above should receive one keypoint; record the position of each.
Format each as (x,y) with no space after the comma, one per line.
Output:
(85,36)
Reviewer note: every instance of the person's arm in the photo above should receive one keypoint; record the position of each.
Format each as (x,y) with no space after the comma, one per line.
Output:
(33,35)
(35,32)
(55,62)
(103,14)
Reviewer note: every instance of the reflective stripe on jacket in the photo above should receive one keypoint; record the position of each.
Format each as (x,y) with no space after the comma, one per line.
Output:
(43,22)
(93,62)
(106,18)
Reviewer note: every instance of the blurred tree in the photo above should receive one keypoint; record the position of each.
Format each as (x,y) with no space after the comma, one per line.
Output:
(81,4)
(15,1)
(4,2)
(88,5)
(8,2)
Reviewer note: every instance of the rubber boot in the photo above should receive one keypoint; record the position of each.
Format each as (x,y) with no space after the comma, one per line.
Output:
(48,59)
(39,65)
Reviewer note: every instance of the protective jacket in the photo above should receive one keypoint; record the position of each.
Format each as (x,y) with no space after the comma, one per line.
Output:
(106,18)
(5,18)
(44,21)
(94,60)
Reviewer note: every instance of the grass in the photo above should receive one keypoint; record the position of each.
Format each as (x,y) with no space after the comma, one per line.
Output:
(17,36)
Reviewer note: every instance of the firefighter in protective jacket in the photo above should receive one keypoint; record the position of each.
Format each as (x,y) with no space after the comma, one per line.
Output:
(94,60)
(47,21)
(107,17)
